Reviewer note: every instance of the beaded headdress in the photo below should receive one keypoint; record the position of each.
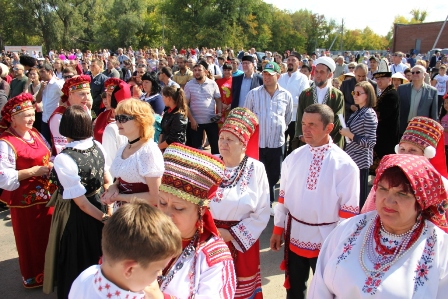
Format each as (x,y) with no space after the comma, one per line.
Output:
(76,83)
(425,181)
(110,83)
(242,123)
(424,133)
(190,174)
(15,105)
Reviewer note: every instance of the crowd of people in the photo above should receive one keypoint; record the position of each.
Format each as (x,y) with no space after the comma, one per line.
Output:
(152,174)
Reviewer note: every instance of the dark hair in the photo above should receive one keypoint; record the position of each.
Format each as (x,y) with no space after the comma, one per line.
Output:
(155,86)
(395,177)
(443,111)
(103,95)
(167,71)
(408,70)
(76,123)
(69,69)
(178,96)
(326,114)
(370,92)
(47,67)
(227,66)
(307,67)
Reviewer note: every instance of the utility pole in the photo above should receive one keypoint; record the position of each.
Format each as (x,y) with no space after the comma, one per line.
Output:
(163,29)
(342,35)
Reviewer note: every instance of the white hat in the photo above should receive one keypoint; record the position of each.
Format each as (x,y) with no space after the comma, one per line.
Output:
(399,75)
(327,61)
(4,70)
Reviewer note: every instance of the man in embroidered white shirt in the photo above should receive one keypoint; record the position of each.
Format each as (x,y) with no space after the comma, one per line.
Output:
(311,203)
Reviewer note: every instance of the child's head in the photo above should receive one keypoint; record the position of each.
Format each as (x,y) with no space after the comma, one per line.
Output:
(138,241)
(442,70)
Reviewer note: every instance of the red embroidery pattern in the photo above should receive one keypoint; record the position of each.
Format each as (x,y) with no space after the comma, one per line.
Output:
(217,252)
(306,245)
(350,209)
(109,290)
(316,165)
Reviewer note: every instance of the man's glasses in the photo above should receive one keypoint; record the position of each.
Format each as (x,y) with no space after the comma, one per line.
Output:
(122,118)
(17,69)
(67,77)
(416,72)
(351,67)
(357,93)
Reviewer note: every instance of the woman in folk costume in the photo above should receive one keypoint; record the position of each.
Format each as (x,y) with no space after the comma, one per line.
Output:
(24,169)
(398,251)
(241,207)
(76,91)
(423,137)
(205,267)
(77,223)
(116,91)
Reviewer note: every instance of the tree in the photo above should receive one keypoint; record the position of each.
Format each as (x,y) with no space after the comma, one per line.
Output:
(417,16)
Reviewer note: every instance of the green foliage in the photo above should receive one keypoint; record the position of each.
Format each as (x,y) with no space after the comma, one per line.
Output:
(417,16)
(95,24)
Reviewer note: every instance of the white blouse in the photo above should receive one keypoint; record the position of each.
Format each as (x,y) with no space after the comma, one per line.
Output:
(112,141)
(421,273)
(246,202)
(9,176)
(59,141)
(67,169)
(146,162)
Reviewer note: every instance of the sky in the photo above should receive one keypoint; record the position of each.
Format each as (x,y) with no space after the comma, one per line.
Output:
(378,15)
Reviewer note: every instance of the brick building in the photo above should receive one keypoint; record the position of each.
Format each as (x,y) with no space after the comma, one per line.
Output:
(420,37)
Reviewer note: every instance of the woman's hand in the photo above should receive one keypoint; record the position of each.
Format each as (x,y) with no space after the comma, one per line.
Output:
(346,132)
(40,170)
(225,234)
(110,195)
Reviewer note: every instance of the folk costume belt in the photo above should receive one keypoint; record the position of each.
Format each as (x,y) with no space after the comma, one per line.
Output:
(310,224)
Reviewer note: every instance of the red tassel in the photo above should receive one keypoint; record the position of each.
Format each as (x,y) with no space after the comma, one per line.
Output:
(283,265)
(286,284)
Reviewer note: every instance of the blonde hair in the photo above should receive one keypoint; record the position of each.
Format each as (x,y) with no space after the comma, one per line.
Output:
(140,232)
(143,114)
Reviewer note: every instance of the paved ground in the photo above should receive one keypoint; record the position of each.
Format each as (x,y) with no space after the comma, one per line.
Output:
(11,286)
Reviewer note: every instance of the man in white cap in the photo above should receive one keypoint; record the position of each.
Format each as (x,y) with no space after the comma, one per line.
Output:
(322,92)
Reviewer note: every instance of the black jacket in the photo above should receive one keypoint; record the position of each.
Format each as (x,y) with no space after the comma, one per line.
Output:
(347,87)
(257,80)
(174,126)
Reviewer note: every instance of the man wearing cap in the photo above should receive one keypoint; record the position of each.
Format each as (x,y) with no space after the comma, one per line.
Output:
(295,82)
(387,112)
(398,66)
(203,98)
(242,84)
(322,92)
(273,106)
(416,99)
(373,67)
(349,85)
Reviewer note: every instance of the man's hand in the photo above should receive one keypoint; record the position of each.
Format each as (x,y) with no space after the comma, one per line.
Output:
(276,242)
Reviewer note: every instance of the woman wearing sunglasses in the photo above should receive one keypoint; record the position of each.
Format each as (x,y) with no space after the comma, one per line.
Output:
(361,130)
(138,165)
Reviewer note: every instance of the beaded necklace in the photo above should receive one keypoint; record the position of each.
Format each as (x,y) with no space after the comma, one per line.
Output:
(236,175)
(164,280)
(385,257)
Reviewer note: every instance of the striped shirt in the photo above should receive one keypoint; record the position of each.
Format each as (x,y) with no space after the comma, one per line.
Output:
(274,114)
(362,123)
(202,99)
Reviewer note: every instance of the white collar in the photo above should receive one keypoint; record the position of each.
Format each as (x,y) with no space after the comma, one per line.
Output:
(107,289)
(81,144)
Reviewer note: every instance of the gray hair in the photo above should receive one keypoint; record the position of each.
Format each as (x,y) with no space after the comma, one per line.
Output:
(361,66)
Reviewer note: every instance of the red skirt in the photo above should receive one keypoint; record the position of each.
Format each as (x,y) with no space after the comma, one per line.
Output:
(31,226)
(247,267)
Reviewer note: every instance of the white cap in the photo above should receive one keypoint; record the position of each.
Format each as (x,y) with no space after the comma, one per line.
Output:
(327,61)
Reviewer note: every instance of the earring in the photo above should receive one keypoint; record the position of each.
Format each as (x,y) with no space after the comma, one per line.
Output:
(200,222)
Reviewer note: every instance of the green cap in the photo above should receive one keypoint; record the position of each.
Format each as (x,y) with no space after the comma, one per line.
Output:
(272,68)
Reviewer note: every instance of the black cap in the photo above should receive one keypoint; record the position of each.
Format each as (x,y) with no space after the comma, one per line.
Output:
(248,58)
(203,63)
(296,54)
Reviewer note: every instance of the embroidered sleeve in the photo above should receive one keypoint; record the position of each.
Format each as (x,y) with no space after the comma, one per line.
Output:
(9,176)
(218,279)
(248,230)
(59,141)
(280,211)
(67,171)
(348,191)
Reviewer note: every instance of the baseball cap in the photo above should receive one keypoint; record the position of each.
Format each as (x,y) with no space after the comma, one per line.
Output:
(272,68)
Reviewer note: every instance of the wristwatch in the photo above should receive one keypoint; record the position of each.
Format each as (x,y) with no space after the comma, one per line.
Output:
(105,218)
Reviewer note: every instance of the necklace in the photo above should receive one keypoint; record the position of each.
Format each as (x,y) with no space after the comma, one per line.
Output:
(31,141)
(383,258)
(133,141)
(233,179)
(164,280)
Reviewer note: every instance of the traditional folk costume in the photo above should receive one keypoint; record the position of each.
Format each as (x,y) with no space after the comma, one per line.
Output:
(74,84)
(241,205)
(360,259)
(119,90)
(132,171)
(92,284)
(327,95)
(428,135)
(387,109)
(205,267)
(310,206)
(26,199)
(225,89)
(75,237)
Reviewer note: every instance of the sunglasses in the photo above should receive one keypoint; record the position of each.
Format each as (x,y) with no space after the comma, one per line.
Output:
(68,77)
(122,118)
(357,93)
(416,72)
(351,67)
